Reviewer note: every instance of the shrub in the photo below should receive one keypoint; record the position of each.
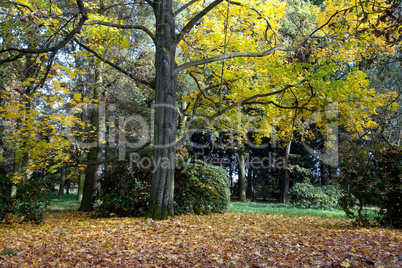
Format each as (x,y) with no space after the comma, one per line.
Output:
(122,193)
(27,205)
(7,205)
(31,197)
(373,174)
(201,188)
(305,195)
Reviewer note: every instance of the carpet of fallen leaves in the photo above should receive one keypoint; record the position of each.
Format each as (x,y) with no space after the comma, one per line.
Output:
(222,240)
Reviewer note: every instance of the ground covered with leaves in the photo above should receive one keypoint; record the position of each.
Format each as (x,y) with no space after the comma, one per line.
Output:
(220,240)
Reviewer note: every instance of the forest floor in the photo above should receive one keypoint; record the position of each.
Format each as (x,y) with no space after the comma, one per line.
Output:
(233,239)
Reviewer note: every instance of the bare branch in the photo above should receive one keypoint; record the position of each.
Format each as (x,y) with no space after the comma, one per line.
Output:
(234,55)
(141,81)
(190,25)
(122,26)
(54,49)
(230,107)
(185,6)
(89,163)
(19,4)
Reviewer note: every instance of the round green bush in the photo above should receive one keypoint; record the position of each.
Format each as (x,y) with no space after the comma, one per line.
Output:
(305,195)
(201,188)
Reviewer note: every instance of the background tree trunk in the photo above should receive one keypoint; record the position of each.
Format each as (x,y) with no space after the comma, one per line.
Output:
(242,176)
(62,183)
(284,176)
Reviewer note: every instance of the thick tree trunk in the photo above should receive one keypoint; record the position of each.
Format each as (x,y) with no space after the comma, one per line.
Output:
(242,176)
(90,170)
(284,176)
(161,202)
(94,151)
(81,183)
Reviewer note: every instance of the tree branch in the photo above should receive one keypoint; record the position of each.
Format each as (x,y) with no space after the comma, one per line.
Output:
(89,163)
(233,105)
(184,7)
(122,26)
(190,25)
(234,55)
(54,49)
(141,81)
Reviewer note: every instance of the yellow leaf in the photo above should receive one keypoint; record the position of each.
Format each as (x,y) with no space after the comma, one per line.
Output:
(77,96)
(25,83)
(345,264)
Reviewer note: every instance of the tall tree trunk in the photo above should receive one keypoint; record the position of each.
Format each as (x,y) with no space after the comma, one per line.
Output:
(242,176)
(68,186)
(62,183)
(90,170)
(81,182)
(323,173)
(284,176)
(161,201)
(94,151)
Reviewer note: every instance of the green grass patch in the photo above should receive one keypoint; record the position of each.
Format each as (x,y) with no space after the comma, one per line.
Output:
(68,203)
(282,209)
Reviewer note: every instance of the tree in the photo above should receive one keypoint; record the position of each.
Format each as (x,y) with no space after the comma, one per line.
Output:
(257,34)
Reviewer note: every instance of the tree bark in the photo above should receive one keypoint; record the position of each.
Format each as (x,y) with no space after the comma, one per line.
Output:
(242,176)
(284,176)
(81,182)
(94,151)
(62,183)
(161,202)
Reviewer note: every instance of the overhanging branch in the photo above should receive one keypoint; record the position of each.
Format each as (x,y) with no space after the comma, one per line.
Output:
(190,25)
(185,6)
(230,107)
(234,55)
(122,26)
(141,81)
(54,49)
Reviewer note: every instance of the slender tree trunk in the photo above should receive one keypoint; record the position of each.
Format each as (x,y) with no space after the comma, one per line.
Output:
(284,176)
(62,183)
(68,186)
(161,201)
(242,176)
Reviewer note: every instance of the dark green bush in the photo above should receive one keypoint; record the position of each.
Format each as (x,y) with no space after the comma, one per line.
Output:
(28,203)
(373,174)
(7,205)
(31,197)
(305,195)
(199,188)
(122,193)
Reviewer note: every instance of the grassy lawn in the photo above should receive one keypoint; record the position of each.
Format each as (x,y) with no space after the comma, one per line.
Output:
(282,209)
(68,203)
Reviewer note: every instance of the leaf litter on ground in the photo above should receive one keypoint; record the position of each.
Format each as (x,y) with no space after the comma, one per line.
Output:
(220,240)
